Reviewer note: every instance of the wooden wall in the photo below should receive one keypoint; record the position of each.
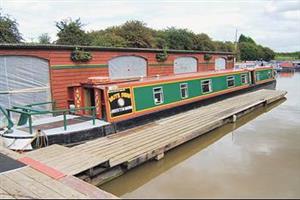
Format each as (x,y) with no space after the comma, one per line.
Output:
(64,72)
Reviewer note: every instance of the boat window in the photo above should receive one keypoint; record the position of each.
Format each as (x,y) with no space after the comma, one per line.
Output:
(184,90)
(244,79)
(206,86)
(257,76)
(269,74)
(158,95)
(230,81)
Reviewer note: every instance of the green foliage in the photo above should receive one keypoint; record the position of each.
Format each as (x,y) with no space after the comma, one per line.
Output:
(44,39)
(80,55)
(178,38)
(268,54)
(106,38)
(287,55)
(136,34)
(9,32)
(160,39)
(224,46)
(202,42)
(243,38)
(249,50)
(207,57)
(162,57)
(70,32)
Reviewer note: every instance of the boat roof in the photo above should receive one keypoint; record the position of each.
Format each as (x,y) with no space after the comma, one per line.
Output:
(102,82)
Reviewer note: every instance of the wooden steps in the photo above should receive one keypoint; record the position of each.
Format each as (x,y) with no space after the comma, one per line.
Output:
(139,144)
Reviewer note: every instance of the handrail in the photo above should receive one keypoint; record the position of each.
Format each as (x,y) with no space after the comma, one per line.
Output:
(7,115)
(42,103)
(30,112)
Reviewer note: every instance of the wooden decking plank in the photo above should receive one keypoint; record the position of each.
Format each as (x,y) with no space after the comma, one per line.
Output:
(154,147)
(57,186)
(82,166)
(10,153)
(32,186)
(155,134)
(47,152)
(89,190)
(125,140)
(16,190)
(4,194)
(152,144)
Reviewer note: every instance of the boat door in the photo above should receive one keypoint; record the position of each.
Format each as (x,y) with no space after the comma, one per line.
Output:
(89,99)
(252,77)
(95,97)
(102,106)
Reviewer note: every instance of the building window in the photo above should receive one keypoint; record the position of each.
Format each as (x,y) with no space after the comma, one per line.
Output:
(158,95)
(244,78)
(184,90)
(206,86)
(230,81)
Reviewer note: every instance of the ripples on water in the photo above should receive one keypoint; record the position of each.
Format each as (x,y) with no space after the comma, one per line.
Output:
(256,157)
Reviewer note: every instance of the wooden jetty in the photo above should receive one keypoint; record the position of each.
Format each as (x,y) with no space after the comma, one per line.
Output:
(105,158)
(40,182)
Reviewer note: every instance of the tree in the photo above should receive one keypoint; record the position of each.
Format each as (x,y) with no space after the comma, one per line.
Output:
(160,39)
(106,38)
(70,32)
(9,32)
(179,38)
(248,51)
(269,54)
(44,39)
(202,42)
(136,34)
(243,38)
(224,46)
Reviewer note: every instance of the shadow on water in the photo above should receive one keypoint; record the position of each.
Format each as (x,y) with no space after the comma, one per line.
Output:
(140,175)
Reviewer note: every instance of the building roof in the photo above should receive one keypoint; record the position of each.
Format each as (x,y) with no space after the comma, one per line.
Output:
(99,48)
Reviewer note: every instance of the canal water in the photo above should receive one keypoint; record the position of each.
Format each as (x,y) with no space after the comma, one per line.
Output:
(256,157)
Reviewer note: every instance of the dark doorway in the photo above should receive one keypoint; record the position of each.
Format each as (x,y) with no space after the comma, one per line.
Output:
(252,75)
(89,99)
(103,110)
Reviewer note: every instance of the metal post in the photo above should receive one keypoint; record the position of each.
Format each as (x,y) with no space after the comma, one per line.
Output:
(10,125)
(53,107)
(65,121)
(30,123)
(94,116)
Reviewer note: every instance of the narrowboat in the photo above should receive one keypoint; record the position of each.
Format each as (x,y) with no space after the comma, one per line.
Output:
(99,104)
(119,100)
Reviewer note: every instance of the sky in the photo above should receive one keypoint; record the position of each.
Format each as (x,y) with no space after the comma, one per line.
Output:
(275,24)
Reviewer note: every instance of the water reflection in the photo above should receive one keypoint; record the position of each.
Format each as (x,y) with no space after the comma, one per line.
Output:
(286,74)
